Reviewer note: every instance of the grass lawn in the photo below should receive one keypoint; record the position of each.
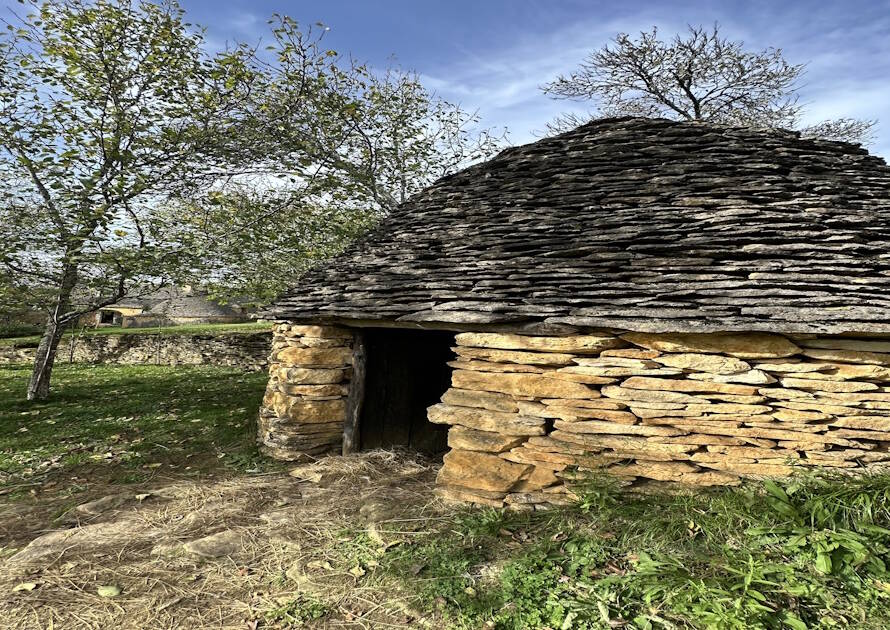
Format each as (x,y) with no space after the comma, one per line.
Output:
(192,329)
(360,542)
(126,424)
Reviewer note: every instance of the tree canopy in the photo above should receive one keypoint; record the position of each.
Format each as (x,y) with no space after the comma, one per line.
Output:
(699,76)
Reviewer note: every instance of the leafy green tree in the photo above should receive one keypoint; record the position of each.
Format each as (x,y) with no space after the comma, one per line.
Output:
(108,111)
(699,76)
(342,145)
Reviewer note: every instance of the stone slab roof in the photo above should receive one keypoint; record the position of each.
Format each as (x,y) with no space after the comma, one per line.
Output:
(638,224)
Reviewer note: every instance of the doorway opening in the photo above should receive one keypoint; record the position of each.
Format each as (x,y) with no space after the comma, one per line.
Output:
(406,372)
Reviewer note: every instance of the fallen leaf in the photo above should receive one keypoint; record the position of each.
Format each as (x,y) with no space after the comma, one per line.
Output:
(109,590)
(357,571)
(24,586)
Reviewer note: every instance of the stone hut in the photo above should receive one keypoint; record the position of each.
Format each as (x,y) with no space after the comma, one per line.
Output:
(665,301)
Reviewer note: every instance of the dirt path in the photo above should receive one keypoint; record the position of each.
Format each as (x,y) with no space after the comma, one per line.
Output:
(265,551)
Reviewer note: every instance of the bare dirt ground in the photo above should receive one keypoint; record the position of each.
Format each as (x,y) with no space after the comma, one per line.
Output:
(247,552)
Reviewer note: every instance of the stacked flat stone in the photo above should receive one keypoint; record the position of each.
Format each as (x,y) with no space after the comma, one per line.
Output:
(530,414)
(304,406)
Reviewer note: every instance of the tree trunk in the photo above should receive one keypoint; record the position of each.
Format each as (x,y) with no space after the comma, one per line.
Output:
(38,387)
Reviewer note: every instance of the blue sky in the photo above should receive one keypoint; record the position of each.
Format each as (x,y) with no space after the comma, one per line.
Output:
(492,55)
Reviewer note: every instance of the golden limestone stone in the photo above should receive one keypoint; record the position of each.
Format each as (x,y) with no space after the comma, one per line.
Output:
(840,343)
(847,356)
(611,428)
(513,356)
(486,420)
(751,377)
(568,413)
(630,353)
(485,366)
(660,471)
(581,374)
(326,332)
(455,494)
(482,471)
(462,438)
(712,363)
(315,391)
(596,403)
(752,469)
(539,479)
(681,385)
(535,385)
(612,372)
(780,366)
(310,376)
(741,346)
(315,357)
(312,411)
(482,400)
(796,415)
(576,344)
(876,423)
(827,386)
(625,394)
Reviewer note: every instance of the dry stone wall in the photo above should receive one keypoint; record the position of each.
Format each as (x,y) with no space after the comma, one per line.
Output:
(249,351)
(304,408)
(529,415)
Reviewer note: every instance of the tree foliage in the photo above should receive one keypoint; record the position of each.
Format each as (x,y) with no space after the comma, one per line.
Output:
(107,111)
(341,146)
(699,76)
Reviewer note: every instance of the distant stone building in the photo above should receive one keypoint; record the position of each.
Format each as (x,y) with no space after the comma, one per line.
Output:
(666,301)
(171,306)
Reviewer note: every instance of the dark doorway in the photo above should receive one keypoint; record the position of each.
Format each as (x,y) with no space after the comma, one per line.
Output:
(407,372)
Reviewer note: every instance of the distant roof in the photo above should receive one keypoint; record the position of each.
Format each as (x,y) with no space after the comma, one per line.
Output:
(192,306)
(638,224)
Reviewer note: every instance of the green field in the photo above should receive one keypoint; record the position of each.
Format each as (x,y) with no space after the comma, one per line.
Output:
(127,422)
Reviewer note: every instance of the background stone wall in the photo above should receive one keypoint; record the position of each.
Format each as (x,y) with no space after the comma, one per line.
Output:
(304,408)
(529,414)
(249,351)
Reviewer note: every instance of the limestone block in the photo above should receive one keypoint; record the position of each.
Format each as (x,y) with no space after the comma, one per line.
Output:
(575,344)
(631,353)
(459,495)
(630,395)
(746,469)
(847,356)
(712,363)
(535,385)
(539,479)
(827,386)
(660,471)
(752,452)
(315,357)
(514,356)
(581,374)
(601,362)
(840,343)
(482,400)
(512,424)
(626,444)
(618,417)
(312,411)
(310,376)
(595,403)
(485,366)
(751,377)
(797,415)
(319,331)
(789,365)
(481,471)
(315,391)
(742,346)
(875,423)
(618,371)
(611,428)
(462,438)
(681,385)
